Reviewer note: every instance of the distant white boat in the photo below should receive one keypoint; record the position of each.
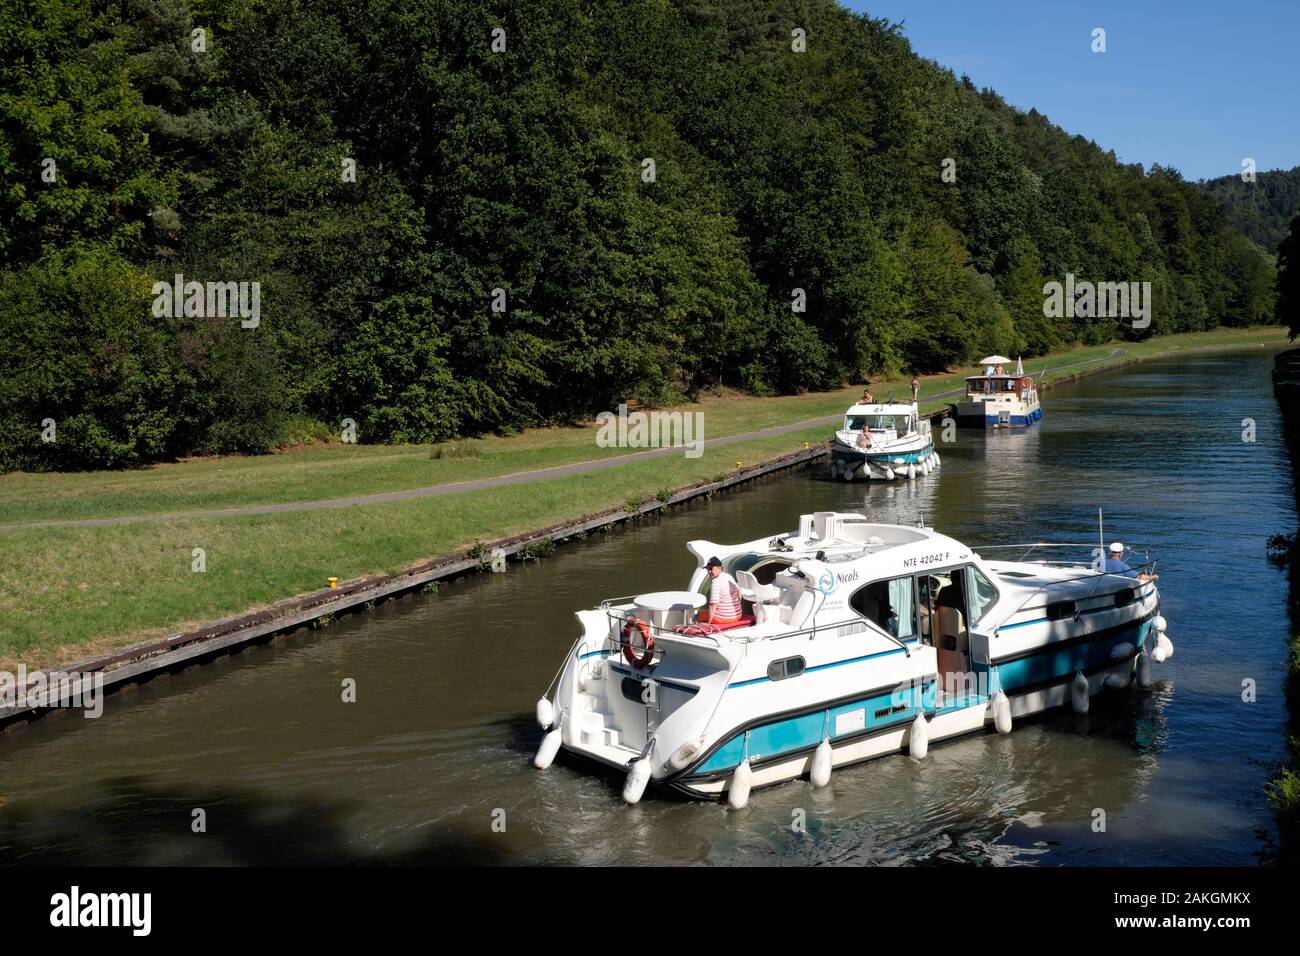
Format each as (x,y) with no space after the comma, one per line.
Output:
(997,399)
(857,640)
(883,441)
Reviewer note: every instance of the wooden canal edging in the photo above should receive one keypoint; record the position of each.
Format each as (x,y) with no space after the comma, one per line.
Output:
(145,662)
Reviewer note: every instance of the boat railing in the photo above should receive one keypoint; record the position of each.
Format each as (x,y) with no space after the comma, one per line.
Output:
(618,618)
(1088,567)
(1029,548)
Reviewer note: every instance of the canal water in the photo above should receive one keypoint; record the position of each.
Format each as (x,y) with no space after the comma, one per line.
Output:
(433,760)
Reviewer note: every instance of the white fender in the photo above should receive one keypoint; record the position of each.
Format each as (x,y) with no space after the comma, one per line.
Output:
(1079,693)
(937,462)
(889,473)
(918,741)
(1121,651)
(1164,649)
(1144,669)
(1159,623)
(1117,681)
(835,472)
(821,764)
(741,781)
(547,751)
(911,471)
(847,473)
(1001,713)
(545,713)
(638,775)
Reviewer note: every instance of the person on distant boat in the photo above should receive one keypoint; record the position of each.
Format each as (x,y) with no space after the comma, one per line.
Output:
(867,397)
(916,388)
(724,596)
(1115,564)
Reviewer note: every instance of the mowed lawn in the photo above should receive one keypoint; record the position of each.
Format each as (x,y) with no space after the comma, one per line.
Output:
(67,592)
(71,591)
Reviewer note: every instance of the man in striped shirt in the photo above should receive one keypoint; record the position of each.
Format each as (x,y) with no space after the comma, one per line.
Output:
(724,596)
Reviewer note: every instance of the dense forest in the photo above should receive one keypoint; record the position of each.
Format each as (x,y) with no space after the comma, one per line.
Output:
(1262,209)
(470,216)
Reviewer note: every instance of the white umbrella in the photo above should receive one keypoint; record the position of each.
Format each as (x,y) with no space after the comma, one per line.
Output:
(996,360)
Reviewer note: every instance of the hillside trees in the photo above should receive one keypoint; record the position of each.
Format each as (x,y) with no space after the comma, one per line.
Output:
(619,204)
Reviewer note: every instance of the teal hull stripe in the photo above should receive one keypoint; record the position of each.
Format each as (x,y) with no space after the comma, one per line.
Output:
(909,457)
(1052,664)
(800,733)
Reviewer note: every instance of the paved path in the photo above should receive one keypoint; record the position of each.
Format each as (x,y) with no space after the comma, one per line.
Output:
(457,487)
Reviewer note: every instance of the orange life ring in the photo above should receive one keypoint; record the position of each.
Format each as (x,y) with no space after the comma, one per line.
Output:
(635,623)
(1026,383)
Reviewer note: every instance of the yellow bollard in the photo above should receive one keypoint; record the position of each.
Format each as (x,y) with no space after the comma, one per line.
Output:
(737,463)
(332,582)
(806,445)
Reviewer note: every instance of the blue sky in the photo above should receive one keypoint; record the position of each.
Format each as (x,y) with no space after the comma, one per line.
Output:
(1193,84)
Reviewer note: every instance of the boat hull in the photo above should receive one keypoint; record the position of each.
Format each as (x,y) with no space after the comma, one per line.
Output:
(974,415)
(894,739)
(902,460)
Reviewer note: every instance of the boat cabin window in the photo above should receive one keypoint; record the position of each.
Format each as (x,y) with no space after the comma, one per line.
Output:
(890,605)
(982,593)
(786,667)
(1060,611)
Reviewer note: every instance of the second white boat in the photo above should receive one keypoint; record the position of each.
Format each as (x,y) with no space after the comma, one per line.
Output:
(883,441)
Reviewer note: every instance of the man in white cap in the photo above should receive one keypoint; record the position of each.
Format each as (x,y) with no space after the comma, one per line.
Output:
(1115,564)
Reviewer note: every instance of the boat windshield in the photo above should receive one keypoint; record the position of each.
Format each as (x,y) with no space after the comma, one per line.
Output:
(990,385)
(857,423)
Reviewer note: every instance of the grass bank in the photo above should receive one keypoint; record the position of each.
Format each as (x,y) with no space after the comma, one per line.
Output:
(339,471)
(68,592)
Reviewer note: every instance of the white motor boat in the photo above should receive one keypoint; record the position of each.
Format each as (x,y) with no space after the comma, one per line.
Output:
(883,441)
(859,640)
(997,399)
